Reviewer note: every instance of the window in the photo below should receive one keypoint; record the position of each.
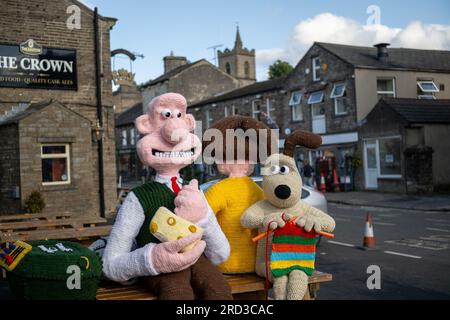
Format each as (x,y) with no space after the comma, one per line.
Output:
(270,108)
(256,109)
(234,110)
(426,89)
(316,68)
(228,68)
(247,69)
(295,104)
(315,97)
(124,138)
(338,91)
(132,136)
(386,88)
(55,160)
(225,111)
(209,119)
(390,161)
(337,94)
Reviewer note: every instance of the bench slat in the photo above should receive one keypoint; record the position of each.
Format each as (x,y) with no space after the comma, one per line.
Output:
(240,284)
(26,216)
(74,233)
(70,222)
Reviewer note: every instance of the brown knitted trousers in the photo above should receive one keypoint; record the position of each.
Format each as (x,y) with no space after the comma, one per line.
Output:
(203,280)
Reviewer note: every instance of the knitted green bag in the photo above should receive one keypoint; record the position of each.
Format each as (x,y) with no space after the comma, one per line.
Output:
(56,270)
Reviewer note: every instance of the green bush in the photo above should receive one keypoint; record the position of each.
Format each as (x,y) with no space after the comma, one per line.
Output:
(34,203)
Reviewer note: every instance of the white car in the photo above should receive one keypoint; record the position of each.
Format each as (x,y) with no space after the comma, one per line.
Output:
(309,195)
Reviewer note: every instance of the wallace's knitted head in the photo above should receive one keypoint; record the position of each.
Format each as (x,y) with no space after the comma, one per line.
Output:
(168,144)
(282,183)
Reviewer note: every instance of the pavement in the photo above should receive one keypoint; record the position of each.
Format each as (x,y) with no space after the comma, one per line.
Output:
(435,202)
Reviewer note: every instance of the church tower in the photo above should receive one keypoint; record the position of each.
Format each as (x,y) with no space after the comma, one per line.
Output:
(239,62)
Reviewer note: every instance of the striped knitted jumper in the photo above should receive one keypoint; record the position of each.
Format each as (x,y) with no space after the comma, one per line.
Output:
(292,249)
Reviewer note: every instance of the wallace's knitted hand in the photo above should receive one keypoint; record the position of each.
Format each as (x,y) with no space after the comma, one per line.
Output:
(190,203)
(167,258)
(275,220)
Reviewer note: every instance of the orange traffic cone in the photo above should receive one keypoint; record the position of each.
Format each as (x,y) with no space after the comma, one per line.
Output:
(323,187)
(369,239)
(336,181)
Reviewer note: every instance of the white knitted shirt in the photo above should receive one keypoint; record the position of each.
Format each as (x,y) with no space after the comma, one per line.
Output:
(120,263)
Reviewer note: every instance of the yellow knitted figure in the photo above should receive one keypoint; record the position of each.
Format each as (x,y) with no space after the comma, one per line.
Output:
(228,199)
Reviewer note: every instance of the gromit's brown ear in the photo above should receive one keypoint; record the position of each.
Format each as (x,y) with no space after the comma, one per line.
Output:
(301,138)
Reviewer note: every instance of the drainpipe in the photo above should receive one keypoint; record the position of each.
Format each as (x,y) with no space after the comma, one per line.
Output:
(98,79)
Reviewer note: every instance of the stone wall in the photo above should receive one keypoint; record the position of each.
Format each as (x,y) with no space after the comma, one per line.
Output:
(336,71)
(56,124)
(45,22)
(126,97)
(9,169)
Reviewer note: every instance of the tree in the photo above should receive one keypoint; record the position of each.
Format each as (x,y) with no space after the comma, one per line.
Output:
(279,68)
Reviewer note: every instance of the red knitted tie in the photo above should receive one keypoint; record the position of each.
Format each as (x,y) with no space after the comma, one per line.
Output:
(175,186)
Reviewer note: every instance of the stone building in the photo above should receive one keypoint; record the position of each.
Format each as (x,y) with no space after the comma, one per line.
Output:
(406,145)
(239,62)
(51,131)
(330,92)
(265,97)
(201,79)
(129,167)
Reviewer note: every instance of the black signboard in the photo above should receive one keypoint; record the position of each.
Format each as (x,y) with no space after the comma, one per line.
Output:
(29,65)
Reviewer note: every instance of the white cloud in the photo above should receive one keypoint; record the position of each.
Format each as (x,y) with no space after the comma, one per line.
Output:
(327,27)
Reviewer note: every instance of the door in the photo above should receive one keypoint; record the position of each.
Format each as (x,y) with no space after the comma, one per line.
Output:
(371,164)
(318,118)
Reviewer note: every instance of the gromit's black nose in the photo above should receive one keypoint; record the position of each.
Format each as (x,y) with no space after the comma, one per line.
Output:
(283,191)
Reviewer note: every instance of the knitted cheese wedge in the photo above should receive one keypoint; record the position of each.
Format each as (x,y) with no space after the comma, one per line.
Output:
(167,226)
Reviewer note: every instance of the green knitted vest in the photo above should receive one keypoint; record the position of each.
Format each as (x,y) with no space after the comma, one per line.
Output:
(152,196)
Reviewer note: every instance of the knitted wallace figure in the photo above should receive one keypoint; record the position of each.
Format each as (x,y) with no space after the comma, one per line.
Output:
(167,145)
(292,252)
(230,197)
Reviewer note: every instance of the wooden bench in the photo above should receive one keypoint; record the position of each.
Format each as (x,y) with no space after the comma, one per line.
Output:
(244,287)
(29,227)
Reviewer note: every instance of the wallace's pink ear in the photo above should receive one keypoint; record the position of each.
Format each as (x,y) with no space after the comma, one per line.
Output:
(191,121)
(142,124)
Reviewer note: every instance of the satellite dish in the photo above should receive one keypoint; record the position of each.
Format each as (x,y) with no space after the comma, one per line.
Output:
(287,131)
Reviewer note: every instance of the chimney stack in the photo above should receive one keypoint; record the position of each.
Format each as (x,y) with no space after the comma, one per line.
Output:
(171,62)
(382,51)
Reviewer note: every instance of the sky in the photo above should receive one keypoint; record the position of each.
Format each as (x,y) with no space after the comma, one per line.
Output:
(276,29)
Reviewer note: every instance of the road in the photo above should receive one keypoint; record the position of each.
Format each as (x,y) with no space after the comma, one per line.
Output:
(412,251)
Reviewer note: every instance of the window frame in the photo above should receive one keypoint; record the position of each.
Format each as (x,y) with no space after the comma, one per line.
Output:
(65,155)
(209,119)
(269,107)
(421,82)
(294,105)
(336,106)
(388,176)
(315,68)
(257,111)
(124,138)
(312,94)
(132,136)
(394,90)
(333,94)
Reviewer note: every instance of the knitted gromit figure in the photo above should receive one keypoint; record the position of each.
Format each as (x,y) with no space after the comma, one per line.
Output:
(295,222)
(230,197)
(167,145)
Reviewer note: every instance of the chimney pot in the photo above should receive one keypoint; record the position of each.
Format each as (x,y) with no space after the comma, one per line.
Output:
(382,51)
